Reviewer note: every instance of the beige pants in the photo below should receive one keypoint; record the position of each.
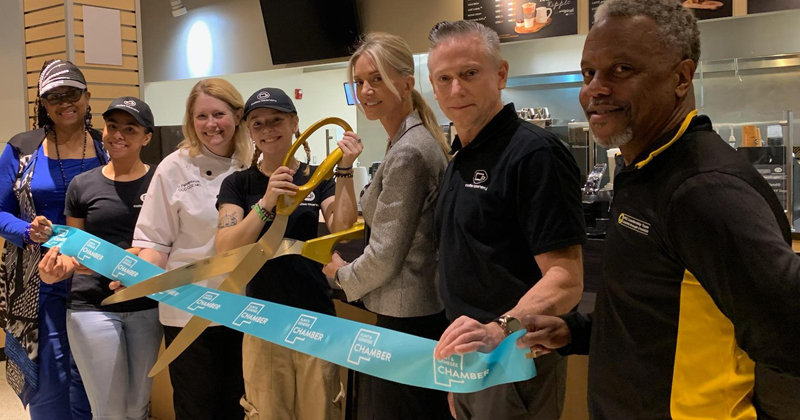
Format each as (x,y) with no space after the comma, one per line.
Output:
(282,384)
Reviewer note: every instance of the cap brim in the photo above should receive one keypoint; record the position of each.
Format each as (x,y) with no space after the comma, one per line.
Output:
(59,83)
(130,112)
(267,105)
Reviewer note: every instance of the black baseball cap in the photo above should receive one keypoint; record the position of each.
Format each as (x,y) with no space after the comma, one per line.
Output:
(138,109)
(269,98)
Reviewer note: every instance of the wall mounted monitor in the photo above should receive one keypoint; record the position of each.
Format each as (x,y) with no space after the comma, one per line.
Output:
(310,30)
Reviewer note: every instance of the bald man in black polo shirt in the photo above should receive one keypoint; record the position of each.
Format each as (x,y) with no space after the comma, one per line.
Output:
(509,221)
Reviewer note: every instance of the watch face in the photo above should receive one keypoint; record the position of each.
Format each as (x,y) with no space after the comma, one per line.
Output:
(513,324)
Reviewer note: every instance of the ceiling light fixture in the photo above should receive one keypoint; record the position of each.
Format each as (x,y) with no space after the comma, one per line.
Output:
(177,8)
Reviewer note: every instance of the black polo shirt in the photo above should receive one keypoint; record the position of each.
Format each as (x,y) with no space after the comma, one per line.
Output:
(509,195)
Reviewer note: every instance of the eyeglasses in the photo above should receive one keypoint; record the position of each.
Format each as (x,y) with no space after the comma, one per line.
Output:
(72,95)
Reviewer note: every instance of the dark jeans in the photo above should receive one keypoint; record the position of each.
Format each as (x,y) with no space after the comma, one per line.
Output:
(207,377)
(391,400)
(540,398)
(60,395)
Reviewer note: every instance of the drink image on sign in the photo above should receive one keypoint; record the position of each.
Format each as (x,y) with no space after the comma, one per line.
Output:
(543,14)
(702,4)
(529,12)
(535,19)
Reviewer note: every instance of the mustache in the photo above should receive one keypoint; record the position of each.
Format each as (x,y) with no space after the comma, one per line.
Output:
(606,102)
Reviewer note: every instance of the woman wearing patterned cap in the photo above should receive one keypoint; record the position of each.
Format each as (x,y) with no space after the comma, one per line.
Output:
(114,346)
(35,169)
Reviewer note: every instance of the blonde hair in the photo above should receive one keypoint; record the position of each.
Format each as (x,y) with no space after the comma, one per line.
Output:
(391,51)
(225,92)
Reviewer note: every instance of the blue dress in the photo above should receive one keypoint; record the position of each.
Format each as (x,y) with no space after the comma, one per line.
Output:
(59,382)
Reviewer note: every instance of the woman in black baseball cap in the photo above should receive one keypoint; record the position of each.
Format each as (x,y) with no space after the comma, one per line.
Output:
(277,379)
(35,170)
(113,346)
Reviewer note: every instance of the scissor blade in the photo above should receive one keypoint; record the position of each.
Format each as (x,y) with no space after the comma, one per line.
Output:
(191,273)
(265,248)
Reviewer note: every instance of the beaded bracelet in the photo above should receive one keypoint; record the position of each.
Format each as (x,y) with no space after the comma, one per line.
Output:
(263,214)
(338,174)
(26,237)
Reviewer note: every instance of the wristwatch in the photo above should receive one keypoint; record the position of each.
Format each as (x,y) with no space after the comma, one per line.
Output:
(508,323)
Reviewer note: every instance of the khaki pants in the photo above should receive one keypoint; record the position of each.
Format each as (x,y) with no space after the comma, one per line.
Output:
(282,384)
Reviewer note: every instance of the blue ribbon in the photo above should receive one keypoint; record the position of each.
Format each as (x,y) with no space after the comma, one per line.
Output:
(376,351)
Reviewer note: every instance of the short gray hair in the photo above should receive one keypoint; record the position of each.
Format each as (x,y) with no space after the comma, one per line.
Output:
(676,24)
(446,30)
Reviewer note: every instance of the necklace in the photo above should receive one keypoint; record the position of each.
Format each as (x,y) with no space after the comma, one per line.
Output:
(58,156)
(260,169)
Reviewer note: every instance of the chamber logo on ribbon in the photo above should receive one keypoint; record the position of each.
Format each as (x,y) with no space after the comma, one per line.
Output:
(250,314)
(125,267)
(58,240)
(302,330)
(451,370)
(205,301)
(89,250)
(364,348)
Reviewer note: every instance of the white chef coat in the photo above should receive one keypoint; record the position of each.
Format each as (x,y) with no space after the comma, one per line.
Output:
(179,215)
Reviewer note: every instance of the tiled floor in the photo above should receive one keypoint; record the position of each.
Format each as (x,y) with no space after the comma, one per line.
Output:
(10,407)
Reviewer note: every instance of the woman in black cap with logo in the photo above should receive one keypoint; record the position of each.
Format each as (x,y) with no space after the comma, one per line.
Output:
(114,346)
(281,383)
(35,169)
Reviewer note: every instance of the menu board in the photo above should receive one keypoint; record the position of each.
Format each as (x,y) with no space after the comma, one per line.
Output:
(703,9)
(760,6)
(517,20)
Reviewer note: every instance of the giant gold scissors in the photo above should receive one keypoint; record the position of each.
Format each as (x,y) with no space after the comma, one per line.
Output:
(243,263)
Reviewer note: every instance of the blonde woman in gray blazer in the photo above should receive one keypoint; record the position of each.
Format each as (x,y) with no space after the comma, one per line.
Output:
(396,275)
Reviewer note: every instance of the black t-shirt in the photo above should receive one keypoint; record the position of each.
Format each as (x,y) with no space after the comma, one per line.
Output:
(109,210)
(291,280)
(509,195)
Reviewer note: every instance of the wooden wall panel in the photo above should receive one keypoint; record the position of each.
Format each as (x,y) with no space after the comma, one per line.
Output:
(128,62)
(129,5)
(50,46)
(32,5)
(36,63)
(113,91)
(41,17)
(47,31)
(119,77)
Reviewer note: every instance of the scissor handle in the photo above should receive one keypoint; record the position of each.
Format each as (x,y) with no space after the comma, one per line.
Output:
(288,204)
(320,249)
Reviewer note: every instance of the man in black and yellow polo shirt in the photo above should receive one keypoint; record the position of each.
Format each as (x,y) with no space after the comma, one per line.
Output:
(698,314)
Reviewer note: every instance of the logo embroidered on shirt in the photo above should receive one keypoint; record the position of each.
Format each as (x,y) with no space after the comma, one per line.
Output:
(634,224)
(188,185)
(479,178)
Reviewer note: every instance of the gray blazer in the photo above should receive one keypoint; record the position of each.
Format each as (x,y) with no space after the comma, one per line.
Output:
(397,274)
